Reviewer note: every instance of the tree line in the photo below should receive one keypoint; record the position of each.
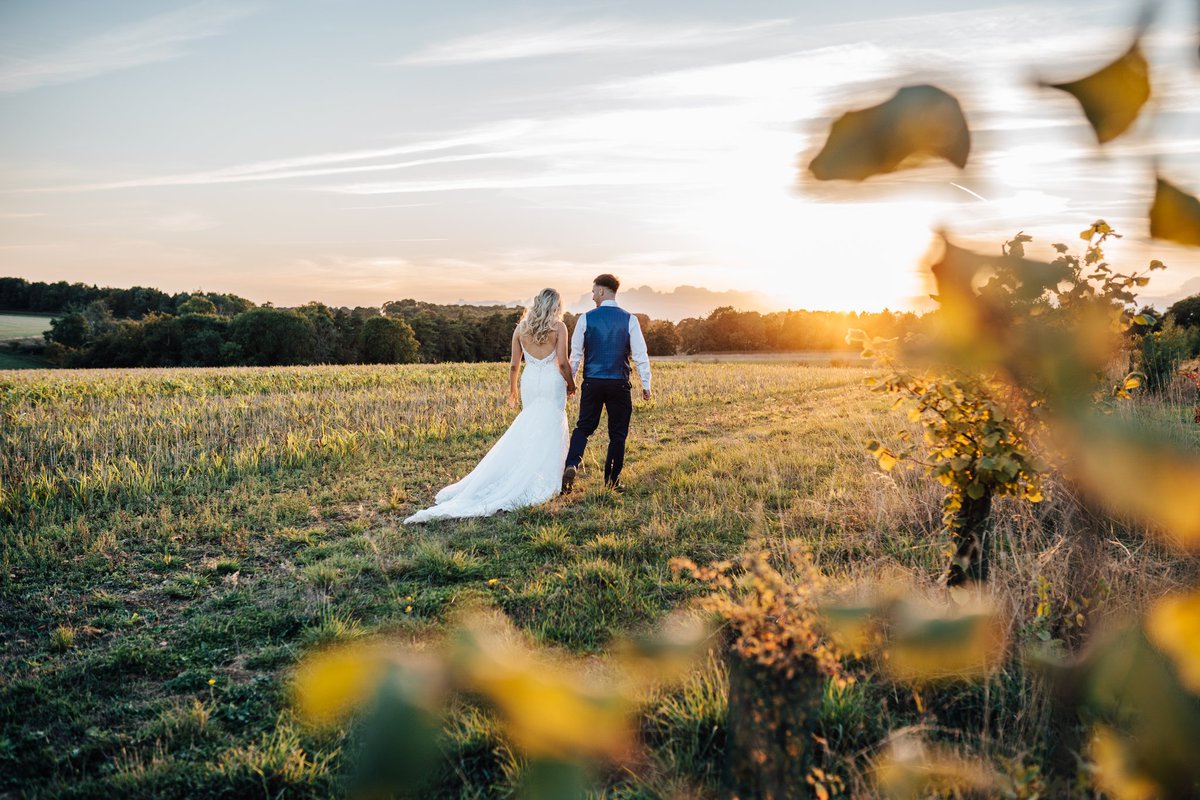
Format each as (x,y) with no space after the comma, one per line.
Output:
(140,326)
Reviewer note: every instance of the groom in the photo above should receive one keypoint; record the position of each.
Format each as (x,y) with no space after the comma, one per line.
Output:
(604,339)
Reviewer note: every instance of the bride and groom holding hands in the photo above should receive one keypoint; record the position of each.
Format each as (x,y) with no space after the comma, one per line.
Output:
(537,458)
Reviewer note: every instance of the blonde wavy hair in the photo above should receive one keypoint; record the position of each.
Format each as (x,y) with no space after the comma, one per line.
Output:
(540,319)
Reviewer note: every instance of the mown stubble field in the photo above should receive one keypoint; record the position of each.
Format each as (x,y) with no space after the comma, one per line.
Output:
(175,540)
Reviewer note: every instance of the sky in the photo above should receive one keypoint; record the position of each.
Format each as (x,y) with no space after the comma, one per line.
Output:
(361,151)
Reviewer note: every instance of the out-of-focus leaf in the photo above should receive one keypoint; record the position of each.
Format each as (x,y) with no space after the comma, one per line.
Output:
(1114,773)
(397,748)
(1113,96)
(1175,215)
(663,657)
(930,648)
(1130,686)
(1155,484)
(911,770)
(332,683)
(850,627)
(918,122)
(1173,625)
(554,780)
(550,710)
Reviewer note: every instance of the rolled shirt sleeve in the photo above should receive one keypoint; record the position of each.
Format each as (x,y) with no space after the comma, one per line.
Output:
(637,348)
(577,343)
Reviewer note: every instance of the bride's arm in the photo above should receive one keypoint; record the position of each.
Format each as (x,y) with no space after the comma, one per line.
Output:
(564,363)
(514,370)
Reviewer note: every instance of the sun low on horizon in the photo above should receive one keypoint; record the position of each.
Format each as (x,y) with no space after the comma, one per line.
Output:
(364,152)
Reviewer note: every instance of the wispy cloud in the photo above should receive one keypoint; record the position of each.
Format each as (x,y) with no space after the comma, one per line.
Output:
(517,43)
(20,214)
(389,205)
(499,182)
(312,165)
(158,38)
(183,222)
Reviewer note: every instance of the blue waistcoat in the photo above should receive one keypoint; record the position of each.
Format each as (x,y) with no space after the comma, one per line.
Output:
(606,344)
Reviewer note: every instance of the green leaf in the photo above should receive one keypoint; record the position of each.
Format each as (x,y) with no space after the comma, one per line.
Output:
(1112,97)
(916,123)
(975,490)
(1175,215)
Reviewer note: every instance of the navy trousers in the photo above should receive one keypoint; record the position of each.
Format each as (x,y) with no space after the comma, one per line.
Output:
(613,397)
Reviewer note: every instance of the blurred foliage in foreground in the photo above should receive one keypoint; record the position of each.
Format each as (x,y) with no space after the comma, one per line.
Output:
(1014,389)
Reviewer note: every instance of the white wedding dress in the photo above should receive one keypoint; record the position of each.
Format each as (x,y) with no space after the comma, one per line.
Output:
(525,466)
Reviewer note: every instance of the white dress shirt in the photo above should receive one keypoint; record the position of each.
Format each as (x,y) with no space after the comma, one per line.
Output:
(637,345)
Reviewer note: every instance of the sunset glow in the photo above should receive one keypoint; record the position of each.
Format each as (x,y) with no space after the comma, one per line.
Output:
(290,153)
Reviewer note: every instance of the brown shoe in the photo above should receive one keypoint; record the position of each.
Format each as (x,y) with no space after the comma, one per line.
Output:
(568,481)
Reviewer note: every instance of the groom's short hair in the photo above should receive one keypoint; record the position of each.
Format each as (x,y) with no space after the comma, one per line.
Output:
(607,281)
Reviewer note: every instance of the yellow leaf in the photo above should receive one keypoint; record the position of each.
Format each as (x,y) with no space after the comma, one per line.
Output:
(1173,625)
(332,683)
(916,123)
(549,710)
(1114,773)
(1112,97)
(1132,383)
(1154,484)
(912,769)
(931,647)
(887,461)
(1175,215)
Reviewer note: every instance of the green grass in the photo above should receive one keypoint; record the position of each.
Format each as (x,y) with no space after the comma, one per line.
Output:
(11,360)
(22,326)
(148,620)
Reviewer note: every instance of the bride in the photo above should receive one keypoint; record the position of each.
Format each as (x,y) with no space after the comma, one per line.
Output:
(525,466)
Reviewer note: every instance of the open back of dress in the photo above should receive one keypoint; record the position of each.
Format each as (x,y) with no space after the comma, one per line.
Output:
(525,466)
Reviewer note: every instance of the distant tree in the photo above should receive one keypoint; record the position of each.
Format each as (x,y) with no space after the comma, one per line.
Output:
(229,305)
(203,340)
(14,294)
(138,301)
(662,339)
(70,330)
(693,335)
(123,345)
(427,327)
(1186,312)
(495,336)
(161,341)
(268,336)
(196,304)
(386,340)
(325,333)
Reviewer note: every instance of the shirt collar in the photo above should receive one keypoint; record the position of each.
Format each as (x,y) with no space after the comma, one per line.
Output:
(608,302)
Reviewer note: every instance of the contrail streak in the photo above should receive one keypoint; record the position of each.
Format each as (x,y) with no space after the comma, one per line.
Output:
(968,191)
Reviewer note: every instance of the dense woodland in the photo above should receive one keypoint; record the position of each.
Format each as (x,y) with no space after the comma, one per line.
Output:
(141,326)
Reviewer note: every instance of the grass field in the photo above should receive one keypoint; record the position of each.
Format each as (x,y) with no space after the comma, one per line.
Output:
(174,540)
(21,326)
(11,360)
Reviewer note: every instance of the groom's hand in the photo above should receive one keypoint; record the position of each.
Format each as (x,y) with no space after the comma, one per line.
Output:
(645,394)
